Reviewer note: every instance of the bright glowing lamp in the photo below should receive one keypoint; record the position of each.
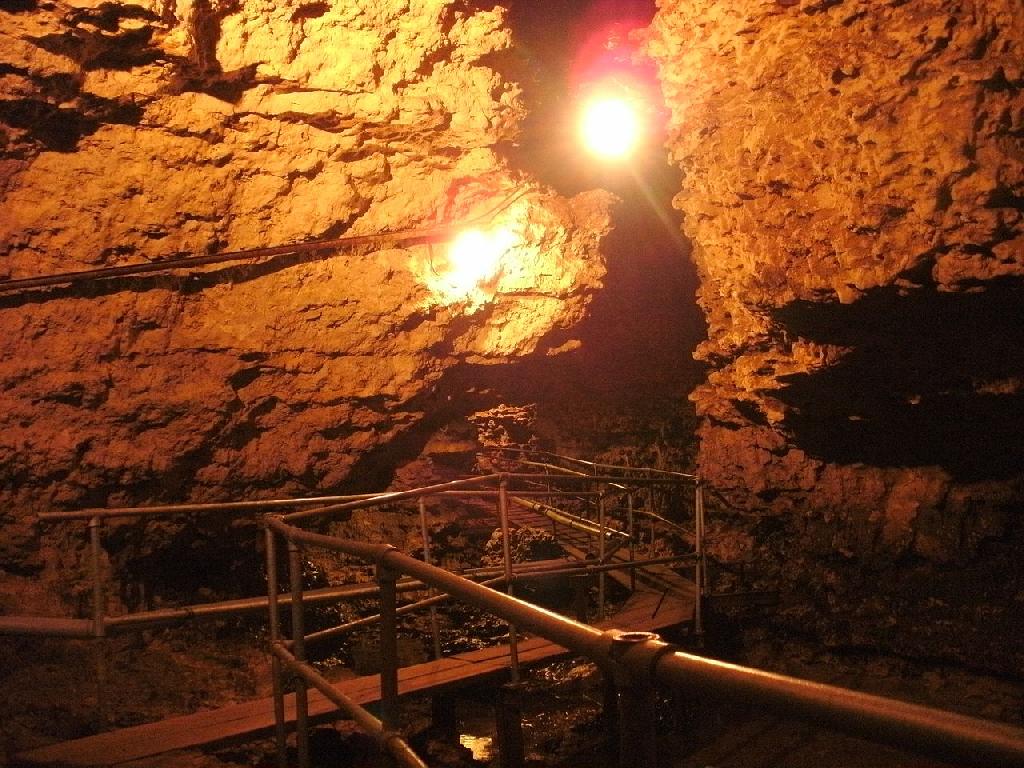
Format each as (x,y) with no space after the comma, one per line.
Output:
(610,126)
(474,257)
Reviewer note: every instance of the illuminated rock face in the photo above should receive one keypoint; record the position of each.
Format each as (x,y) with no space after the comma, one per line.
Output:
(138,131)
(854,178)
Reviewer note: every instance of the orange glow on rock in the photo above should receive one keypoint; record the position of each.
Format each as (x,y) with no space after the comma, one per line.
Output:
(470,262)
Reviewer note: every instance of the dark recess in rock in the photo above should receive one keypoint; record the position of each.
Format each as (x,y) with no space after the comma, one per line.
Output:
(909,386)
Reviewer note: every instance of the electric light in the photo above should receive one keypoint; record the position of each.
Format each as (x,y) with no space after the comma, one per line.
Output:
(610,126)
(473,258)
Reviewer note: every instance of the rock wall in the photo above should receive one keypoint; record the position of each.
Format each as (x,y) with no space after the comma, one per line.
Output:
(854,189)
(134,132)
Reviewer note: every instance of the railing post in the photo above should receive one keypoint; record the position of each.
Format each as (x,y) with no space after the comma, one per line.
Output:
(632,539)
(509,726)
(580,608)
(602,535)
(386,579)
(651,495)
(99,610)
(636,710)
(435,631)
(274,619)
(699,570)
(299,651)
(506,541)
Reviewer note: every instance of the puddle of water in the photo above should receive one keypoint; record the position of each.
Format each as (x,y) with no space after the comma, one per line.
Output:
(482,747)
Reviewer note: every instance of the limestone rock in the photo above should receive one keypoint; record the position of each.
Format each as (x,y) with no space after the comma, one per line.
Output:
(135,132)
(853,181)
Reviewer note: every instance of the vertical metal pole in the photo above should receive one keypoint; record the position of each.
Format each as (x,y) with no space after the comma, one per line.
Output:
(601,577)
(509,726)
(274,620)
(632,539)
(388,648)
(435,630)
(650,506)
(699,572)
(637,709)
(506,542)
(610,712)
(299,651)
(580,597)
(99,610)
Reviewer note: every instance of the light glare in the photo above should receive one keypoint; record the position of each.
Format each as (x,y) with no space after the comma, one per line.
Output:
(610,127)
(474,257)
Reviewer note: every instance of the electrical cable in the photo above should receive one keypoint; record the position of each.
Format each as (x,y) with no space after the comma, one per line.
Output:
(428,235)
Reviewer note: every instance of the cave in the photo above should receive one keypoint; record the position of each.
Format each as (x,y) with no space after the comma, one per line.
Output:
(749,270)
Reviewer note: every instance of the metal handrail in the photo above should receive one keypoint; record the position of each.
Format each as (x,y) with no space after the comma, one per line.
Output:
(215,506)
(59,626)
(570,520)
(521,572)
(422,235)
(646,660)
(100,626)
(593,464)
(388,740)
(625,489)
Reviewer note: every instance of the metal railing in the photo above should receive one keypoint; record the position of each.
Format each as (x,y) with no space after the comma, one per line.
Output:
(516,487)
(100,626)
(629,481)
(635,661)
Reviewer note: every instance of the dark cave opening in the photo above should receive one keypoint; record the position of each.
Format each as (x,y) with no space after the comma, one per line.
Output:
(923,382)
(636,344)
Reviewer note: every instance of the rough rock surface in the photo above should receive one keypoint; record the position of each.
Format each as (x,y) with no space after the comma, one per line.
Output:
(138,131)
(853,185)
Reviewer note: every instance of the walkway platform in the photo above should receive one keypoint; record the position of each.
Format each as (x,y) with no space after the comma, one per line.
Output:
(644,611)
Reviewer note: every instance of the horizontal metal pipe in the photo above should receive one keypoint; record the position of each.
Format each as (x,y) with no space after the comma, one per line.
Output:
(175,509)
(366,621)
(581,477)
(568,519)
(519,574)
(578,637)
(584,570)
(334,503)
(659,519)
(45,626)
(481,481)
(392,497)
(520,571)
(560,457)
(553,492)
(926,730)
(135,621)
(57,627)
(425,235)
(943,735)
(188,262)
(390,741)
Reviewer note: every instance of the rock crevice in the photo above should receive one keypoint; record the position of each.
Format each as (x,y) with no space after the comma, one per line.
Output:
(852,180)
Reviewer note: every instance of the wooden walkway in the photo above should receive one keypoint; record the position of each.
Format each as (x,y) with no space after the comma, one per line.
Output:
(663,599)
(644,611)
(579,544)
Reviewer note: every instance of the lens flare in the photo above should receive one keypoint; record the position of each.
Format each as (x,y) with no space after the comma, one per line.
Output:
(610,126)
(473,258)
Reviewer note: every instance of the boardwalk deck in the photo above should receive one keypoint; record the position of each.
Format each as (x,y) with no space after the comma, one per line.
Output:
(253,719)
